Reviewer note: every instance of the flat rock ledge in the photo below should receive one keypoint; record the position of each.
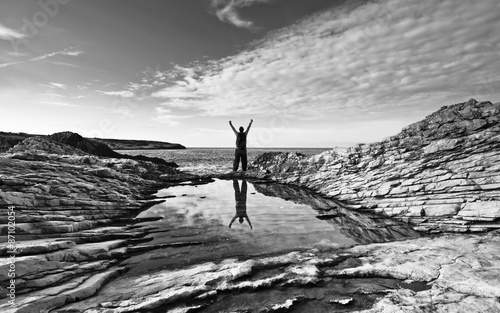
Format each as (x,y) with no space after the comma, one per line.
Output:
(451,273)
(441,174)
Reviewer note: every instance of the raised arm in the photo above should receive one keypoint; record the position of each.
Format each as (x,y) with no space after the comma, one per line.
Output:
(248,220)
(234,130)
(248,128)
(232,221)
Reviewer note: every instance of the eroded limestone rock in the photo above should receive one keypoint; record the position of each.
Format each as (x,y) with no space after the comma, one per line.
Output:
(438,168)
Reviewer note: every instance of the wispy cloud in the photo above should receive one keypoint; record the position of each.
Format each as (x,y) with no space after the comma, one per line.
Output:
(68,52)
(344,62)
(52,95)
(227,11)
(166,116)
(64,64)
(54,85)
(61,104)
(9,34)
(122,93)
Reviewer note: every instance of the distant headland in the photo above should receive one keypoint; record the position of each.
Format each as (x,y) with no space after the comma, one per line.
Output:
(9,140)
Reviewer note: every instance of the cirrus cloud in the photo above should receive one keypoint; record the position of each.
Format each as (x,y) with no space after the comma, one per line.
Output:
(68,52)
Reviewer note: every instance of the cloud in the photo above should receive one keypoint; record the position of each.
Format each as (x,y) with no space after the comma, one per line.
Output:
(166,116)
(68,51)
(227,11)
(52,95)
(64,64)
(344,63)
(54,85)
(63,104)
(123,93)
(9,34)
(176,92)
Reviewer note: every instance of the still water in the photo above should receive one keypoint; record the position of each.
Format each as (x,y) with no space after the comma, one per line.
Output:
(240,218)
(235,209)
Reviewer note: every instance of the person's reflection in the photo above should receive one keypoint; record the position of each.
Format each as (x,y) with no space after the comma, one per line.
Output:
(241,202)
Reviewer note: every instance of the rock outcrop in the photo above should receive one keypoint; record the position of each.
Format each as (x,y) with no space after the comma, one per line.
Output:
(95,147)
(72,217)
(441,174)
(87,145)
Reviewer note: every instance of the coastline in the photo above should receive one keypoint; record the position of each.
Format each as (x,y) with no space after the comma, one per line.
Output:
(76,226)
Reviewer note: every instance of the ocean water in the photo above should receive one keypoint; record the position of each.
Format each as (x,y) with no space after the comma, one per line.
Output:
(213,160)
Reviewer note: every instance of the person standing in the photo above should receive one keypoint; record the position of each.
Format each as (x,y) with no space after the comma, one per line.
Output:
(241,147)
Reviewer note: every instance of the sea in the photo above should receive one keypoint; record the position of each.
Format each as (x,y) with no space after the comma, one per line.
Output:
(213,160)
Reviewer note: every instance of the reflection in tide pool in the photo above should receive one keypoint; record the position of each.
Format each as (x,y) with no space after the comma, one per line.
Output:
(234,210)
(240,196)
(242,217)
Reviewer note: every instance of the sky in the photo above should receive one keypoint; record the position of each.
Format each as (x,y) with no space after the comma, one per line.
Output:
(310,73)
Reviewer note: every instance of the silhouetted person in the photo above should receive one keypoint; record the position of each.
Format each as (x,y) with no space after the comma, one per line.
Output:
(241,202)
(241,147)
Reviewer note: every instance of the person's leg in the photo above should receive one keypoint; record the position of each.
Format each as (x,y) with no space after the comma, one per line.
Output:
(236,162)
(244,160)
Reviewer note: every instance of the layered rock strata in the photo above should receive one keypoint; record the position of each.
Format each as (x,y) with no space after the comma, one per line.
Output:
(442,174)
(66,219)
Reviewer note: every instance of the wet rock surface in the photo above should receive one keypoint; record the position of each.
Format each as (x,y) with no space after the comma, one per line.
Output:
(441,174)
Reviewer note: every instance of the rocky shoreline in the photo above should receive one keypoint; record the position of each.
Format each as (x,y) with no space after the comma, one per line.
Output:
(76,226)
(441,174)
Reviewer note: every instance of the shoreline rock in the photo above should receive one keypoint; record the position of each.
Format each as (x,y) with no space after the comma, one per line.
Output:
(426,175)
(74,216)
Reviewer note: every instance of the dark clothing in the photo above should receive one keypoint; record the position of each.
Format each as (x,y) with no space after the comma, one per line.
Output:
(241,203)
(241,147)
(241,141)
(241,198)
(240,154)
